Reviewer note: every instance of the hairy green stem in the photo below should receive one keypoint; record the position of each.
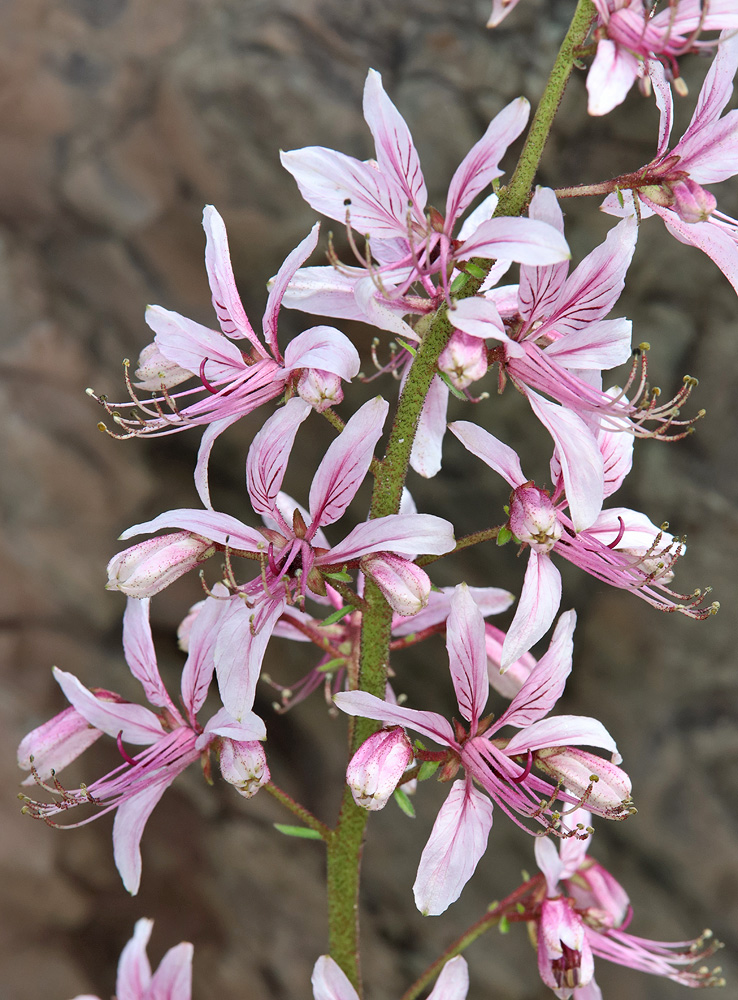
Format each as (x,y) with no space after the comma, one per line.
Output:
(301,812)
(485,535)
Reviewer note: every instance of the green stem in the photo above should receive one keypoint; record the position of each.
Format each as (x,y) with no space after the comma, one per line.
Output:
(301,812)
(486,535)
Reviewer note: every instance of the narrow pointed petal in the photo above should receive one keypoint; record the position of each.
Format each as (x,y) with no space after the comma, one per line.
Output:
(523,240)
(540,287)
(292,263)
(665,104)
(368,706)
(563,730)
(457,842)
(479,317)
(221,528)
(718,244)
(137,724)
(173,979)
(467,655)
(138,648)
(709,146)
(55,744)
(598,346)
(580,458)
(249,728)
(330,982)
(550,863)
(498,456)
(611,75)
(191,346)
(128,828)
(134,970)
(546,681)
(379,312)
(239,654)
(210,436)
(489,600)
(617,456)
(500,10)
(425,457)
(269,453)
(197,672)
(482,163)
(396,153)
(325,348)
(226,300)
(453,983)
(346,463)
(403,534)
(539,602)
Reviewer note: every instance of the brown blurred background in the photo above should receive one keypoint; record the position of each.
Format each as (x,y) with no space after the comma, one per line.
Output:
(119,120)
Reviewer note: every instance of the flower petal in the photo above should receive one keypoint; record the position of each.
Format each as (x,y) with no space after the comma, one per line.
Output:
(498,456)
(368,706)
(226,300)
(325,348)
(539,602)
(453,983)
(403,534)
(134,970)
(292,263)
(467,655)
(269,453)
(138,724)
(128,829)
(330,982)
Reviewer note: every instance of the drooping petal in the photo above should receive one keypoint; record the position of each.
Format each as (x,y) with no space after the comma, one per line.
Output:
(346,463)
(498,456)
(134,970)
(541,286)
(249,728)
(601,345)
(210,436)
(453,982)
(539,602)
(402,534)
(482,163)
(221,528)
(137,724)
(479,317)
(193,346)
(396,153)
(128,828)
(546,681)
(489,600)
(717,242)
(325,348)
(616,448)
(467,655)
(138,648)
(226,300)
(368,706)
(173,979)
(56,743)
(611,75)
(457,842)
(425,457)
(197,672)
(284,276)
(330,982)
(523,240)
(239,653)
(269,453)
(548,860)
(563,730)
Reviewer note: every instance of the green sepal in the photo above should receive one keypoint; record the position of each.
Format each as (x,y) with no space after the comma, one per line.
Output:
(452,388)
(504,535)
(403,801)
(341,576)
(337,615)
(504,925)
(619,196)
(427,769)
(408,347)
(474,270)
(298,831)
(458,283)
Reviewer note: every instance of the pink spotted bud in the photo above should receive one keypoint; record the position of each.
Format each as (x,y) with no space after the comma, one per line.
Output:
(244,765)
(602,786)
(155,371)
(377,766)
(463,359)
(565,959)
(145,569)
(533,518)
(320,389)
(406,586)
(58,742)
(691,202)
(597,892)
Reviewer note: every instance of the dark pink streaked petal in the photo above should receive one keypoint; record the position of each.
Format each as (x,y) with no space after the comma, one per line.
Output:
(226,300)
(401,534)
(134,970)
(546,681)
(720,244)
(429,724)
(221,528)
(292,263)
(128,829)
(346,463)
(539,602)
(396,153)
(523,240)
(138,724)
(616,448)
(665,104)
(269,453)
(482,163)
(598,346)
(494,453)
(325,348)
(467,655)
(457,842)
(138,648)
(193,346)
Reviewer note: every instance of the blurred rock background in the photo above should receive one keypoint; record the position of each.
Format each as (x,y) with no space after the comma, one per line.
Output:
(119,120)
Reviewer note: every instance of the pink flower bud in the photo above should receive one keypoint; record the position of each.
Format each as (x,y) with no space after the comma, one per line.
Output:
(533,518)
(463,359)
(145,569)
(244,765)
(691,202)
(603,787)
(565,959)
(594,889)
(377,766)
(406,586)
(320,389)
(155,371)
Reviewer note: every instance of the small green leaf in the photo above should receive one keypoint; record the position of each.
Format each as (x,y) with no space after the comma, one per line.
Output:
(298,831)
(504,925)
(342,576)
(458,283)
(337,615)
(475,271)
(504,535)
(427,769)
(402,800)
(619,196)
(452,387)
(407,347)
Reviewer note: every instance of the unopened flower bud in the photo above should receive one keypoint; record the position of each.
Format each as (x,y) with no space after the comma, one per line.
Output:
(565,959)
(377,766)
(533,518)
(603,787)
(463,359)
(691,202)
(406,586)
(244,765)
(595,890)
(145,569)
(155,371)
(320,389)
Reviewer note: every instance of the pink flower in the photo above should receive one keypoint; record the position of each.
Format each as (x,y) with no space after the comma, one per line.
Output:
(620,547)
(502,767)
(172,740)
(331,983)
(632,38)
(707,153)
(171,981)
(232,382)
